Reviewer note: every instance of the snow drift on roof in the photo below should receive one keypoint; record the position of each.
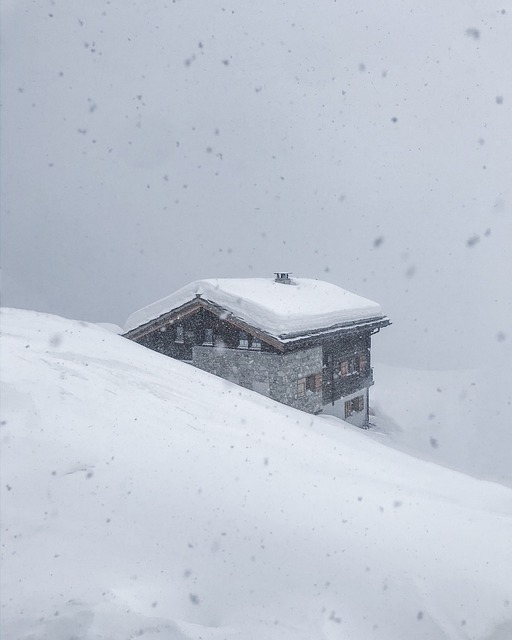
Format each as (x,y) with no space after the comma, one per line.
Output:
(279,309)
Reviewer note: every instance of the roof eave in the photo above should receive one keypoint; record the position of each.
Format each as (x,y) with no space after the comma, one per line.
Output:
(280,342)
(355,326)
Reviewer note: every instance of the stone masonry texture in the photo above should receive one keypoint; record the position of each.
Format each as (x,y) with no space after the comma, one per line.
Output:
(274,375)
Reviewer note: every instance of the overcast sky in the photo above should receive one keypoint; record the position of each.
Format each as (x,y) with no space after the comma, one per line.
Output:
(148,144)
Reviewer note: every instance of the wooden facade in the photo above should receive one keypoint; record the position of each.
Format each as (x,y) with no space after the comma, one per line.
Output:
(198,325)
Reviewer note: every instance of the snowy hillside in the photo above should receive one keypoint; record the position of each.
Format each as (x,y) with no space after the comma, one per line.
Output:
(460,419)
(144,498)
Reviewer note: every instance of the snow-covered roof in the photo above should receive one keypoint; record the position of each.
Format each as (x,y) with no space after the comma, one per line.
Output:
(278,309)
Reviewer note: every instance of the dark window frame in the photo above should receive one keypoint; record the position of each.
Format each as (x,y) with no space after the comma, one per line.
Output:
(354,405)
(311,383)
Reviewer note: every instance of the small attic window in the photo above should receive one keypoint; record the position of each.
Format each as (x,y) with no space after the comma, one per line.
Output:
(243,340)
(256,344)
(208,336)
(180,334)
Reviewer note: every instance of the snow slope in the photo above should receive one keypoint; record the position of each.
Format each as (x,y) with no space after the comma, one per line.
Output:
(460,419)
(142,497)
(278,309)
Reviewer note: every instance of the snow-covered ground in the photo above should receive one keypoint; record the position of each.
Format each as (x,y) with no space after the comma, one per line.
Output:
(144,498)
(460,419)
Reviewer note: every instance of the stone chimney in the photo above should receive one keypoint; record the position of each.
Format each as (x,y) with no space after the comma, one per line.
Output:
(283,277)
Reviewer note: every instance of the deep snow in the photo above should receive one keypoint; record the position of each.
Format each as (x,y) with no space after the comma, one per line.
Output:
(143,497)
(460,419)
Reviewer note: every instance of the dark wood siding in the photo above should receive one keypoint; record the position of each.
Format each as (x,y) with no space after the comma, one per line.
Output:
(338,380)
(166,339)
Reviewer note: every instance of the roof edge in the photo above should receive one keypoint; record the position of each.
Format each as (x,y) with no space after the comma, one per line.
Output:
(279,341)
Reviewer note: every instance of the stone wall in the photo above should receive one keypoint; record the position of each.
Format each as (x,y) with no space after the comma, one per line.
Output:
(271,374)
(292,366)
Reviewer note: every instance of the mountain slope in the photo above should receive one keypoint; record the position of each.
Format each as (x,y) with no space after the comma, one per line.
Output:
(460,419)
(141,496)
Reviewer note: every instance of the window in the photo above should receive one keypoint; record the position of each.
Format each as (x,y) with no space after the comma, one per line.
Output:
(180,334)
(310,383)
(354,364)
(354,405)
(314,382)
(256,344)
(243,340)
(358,403)
(208,337)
